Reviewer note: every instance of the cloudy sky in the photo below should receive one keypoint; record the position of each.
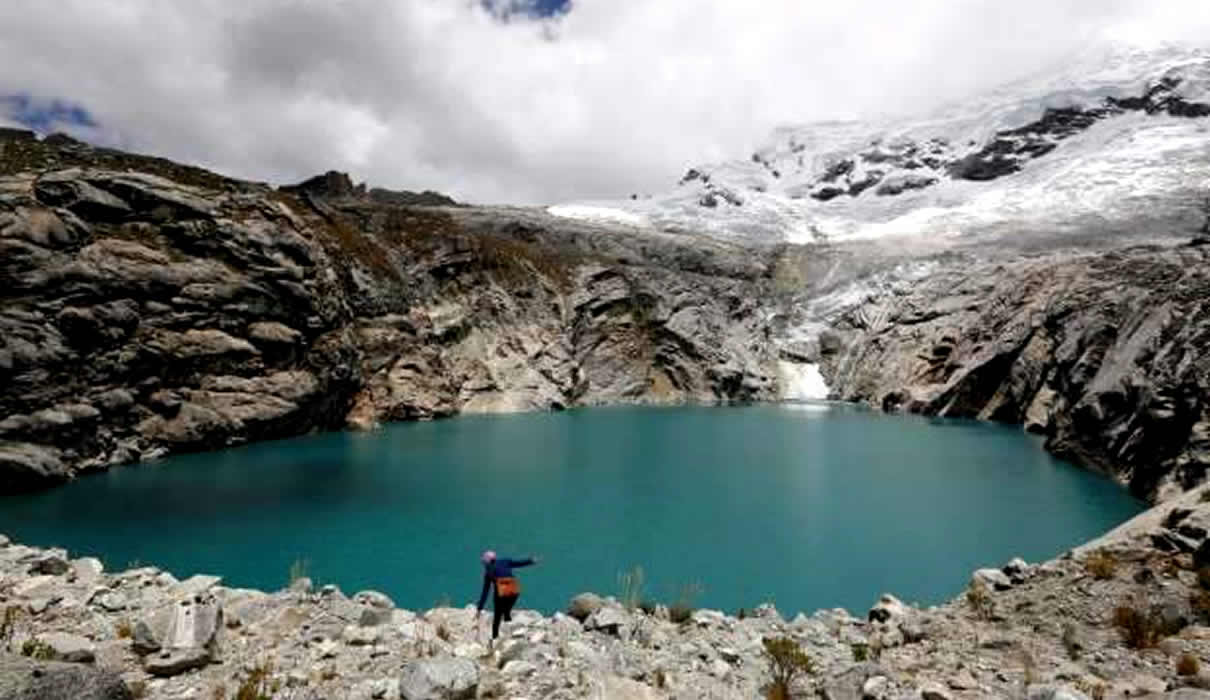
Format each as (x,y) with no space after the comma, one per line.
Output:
(526,101)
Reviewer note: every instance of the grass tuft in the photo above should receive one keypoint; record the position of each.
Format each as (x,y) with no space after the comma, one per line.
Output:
(1101,564)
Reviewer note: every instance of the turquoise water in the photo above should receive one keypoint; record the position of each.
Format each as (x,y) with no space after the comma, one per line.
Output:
(809,507)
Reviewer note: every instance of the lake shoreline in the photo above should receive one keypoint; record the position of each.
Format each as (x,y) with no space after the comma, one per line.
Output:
(1033,627)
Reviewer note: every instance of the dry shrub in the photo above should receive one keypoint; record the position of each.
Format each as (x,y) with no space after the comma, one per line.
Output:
(980,599)
(1101,565)
(1139,629)
(787,661)
(1188,665)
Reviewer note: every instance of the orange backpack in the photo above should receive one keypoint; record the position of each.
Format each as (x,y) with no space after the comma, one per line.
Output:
(508,586)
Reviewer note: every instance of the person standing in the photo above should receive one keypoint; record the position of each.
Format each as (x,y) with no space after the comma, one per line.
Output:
(498,575)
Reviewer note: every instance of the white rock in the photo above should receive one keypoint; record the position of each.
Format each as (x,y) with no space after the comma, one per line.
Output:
(439,679)
(875,688)
(993,578)
(518,667)
(69,647)
(87,570)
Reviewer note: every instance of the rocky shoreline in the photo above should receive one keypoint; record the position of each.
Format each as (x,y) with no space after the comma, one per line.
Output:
(1050,630)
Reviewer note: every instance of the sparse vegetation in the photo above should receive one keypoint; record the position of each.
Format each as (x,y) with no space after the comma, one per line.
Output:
(861,652)
(979,598)
(37,649)
(1093,689)
(1101,565)
(1188,665)
(257,684)
(299,569)
(1205,497)
(631,585)
(443,633)
(124,629)
(1139,629)
(787,661)
(682,609)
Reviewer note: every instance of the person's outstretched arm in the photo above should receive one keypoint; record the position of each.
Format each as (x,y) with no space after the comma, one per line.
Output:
(518,563)
(487,584)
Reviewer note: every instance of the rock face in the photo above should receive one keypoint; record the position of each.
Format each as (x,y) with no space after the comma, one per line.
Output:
(1105,355)
(148,308)
(25,679)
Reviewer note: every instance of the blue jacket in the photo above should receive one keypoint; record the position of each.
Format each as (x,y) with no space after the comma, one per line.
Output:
(499,568)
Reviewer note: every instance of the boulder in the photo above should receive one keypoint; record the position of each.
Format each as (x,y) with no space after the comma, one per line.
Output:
(194,586)
(26,679)
(849,684)
(887,609)
(584,605)
(186,625)
(994,579)
(24,465)
(172,662)
(439,679)
(49,565)
(376,608)
(69,647)
(87,570)
(610,620)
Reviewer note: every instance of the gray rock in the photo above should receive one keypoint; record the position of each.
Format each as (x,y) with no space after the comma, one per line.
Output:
(610,620)
(994,579)
(110,601)
(376,608)
(69,647)
(302,585)
(935,691)
(1047,692)
(1016,567)
(26,679)
(23,465)
(4,541)
(273,333)
(50,565)
(194,586)
(115,400)
(356,635)
(889,608)
(87,570)
(439,679)
(174,662)
(186,625)
(584,605)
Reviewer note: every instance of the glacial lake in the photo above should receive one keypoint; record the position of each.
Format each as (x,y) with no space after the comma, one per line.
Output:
(807,506)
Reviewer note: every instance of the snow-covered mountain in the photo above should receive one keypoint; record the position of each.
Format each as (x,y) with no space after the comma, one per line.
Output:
(1115,140)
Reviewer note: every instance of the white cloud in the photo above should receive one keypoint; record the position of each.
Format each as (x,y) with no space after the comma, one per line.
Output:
(609,99)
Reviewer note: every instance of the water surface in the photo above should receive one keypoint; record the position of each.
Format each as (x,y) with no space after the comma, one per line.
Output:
(806,506)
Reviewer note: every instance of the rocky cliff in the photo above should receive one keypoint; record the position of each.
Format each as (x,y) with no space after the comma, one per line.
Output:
(1105,354)
(148,307)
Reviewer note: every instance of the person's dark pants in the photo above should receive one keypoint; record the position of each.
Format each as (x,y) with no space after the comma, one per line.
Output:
(502,609)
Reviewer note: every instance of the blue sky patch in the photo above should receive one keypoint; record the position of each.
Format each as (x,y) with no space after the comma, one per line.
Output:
(45,115)
(534,9)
